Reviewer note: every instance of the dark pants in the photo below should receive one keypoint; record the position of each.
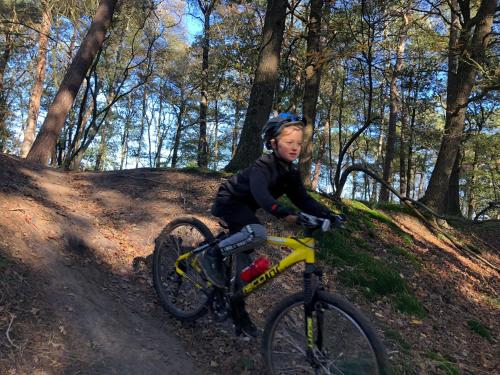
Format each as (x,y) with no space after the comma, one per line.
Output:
(237,215)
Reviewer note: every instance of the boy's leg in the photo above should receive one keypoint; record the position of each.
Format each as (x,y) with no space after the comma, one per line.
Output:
(242,321)
(247,238)
(246,233)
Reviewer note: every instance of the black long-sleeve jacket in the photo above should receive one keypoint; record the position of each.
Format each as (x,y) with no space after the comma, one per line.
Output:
(265,181)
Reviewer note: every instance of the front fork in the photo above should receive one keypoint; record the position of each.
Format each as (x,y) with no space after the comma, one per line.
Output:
(310,294)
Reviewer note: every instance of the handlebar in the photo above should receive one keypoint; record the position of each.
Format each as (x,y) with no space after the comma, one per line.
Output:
(312,222)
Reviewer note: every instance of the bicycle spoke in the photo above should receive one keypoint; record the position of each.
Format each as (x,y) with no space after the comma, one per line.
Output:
(181,294)
(345,348)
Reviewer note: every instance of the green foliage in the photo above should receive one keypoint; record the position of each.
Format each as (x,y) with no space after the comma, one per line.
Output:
(480,329)
(245,364)
(493,301)
(361,216)
(394,249)
(444,364)
(394,335)
(360,269)
(409,304)
(205,171)
(394,207)
(4,263)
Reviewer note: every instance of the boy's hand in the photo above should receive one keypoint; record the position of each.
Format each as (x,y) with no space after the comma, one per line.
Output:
(291,219)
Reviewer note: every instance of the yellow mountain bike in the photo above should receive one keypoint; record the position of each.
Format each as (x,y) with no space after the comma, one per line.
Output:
(310,332)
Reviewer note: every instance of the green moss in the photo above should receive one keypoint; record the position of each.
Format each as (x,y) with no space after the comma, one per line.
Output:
(205,171)
(361,269)
(480,329)
(361,217)
(493,301)
(409,304)
(394,249)
(394,335)
(245,364)
(447,366)
(4,263)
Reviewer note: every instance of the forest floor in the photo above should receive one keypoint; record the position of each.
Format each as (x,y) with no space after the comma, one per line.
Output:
(76,295)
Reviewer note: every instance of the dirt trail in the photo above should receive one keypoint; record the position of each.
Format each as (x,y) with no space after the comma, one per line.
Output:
(89,321)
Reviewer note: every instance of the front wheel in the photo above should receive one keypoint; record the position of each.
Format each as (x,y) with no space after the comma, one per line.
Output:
(344,341)
(182,296)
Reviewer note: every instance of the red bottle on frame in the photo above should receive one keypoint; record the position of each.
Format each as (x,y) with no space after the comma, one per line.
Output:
(257,268)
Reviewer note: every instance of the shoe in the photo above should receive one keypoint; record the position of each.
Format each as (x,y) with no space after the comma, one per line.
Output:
(242,322)
(211,264)
(245,326)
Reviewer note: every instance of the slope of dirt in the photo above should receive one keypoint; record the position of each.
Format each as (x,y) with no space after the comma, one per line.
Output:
(76,294)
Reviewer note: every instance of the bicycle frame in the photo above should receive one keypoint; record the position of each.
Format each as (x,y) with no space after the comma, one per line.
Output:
(302,251)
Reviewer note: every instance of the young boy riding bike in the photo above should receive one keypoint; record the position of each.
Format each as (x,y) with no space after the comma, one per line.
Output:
(258,186)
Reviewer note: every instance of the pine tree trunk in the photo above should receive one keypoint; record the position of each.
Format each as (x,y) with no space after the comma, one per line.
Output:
(402,154)
(321,153)
(177,137)
(143,122)
(262,92)
(54,121)
(314,67)
(36,92)
(395,104)
(101,153)
(216,135)
(4,59)
(207,9)
(453,196)
(159,135)
(470,46)
(471,186)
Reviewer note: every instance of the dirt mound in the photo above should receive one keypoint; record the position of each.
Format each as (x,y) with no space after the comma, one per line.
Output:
(76,294)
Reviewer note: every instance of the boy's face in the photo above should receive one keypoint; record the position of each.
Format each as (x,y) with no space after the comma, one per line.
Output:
(289,143)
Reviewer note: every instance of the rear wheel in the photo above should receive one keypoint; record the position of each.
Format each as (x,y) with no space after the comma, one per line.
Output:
(344,341)
(182,296)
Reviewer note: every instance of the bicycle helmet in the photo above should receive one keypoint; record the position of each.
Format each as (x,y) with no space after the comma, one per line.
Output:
(275,125)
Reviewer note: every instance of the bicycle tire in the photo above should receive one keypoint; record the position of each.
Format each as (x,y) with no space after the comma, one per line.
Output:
(179,295)
(350,344)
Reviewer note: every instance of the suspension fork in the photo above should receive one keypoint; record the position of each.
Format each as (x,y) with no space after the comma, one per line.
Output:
(310,299)
(309,294)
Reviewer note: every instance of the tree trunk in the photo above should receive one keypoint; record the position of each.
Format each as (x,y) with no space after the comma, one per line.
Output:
(395,104)
(409,154)
(159,135)
(262,93)
(125,135)
(206,8)
(471,185)
(143,122)
(236,128)
(101,153)
(453,196)
(216,135)
(4,59)
(36,92)
(402,154)
(54,122)
(321,152)
(314,67)
(177,137)
(470,50)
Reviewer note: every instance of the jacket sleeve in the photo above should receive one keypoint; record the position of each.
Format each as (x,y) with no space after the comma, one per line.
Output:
(299,196)
(259,187)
